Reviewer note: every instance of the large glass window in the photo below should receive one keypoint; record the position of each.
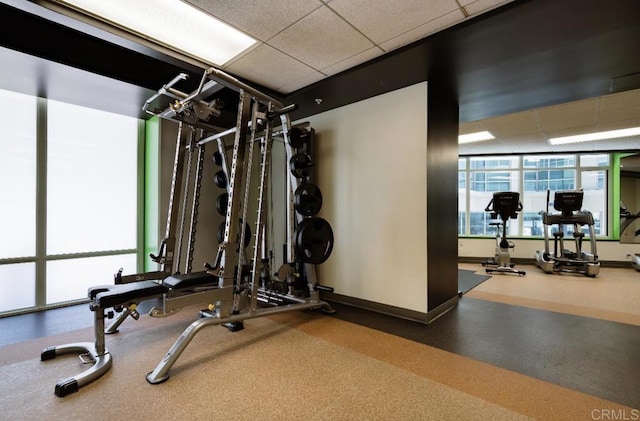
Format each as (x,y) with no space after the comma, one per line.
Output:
(17,175)
(91,188)
(17,286)
(462,202)
(486,176)
(69,279)
(534,177)
(70,200)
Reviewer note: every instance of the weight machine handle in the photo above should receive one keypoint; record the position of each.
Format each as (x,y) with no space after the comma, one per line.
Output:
(163,91)
(285,110)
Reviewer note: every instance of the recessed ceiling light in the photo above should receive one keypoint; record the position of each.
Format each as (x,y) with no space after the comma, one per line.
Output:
(172,23)
(590,137)
(475,137)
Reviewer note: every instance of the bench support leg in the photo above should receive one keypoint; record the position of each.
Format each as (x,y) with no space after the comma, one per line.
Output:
(89,352)
(161,372)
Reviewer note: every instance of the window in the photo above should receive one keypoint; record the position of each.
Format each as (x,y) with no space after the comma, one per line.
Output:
(462,197)
(90,192)
(17,175)
(486,175)
(532,176)
(70,200)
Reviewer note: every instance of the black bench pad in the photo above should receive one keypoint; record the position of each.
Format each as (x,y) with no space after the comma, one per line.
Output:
(113,295)
(190,280)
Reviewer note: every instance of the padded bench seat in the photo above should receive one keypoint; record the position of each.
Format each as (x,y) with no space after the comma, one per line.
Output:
(113,295)
(190,280)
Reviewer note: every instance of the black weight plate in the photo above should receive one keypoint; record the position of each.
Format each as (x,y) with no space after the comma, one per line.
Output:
(313,240)
(220,179)
(307,200)
(247,233)
(300,165)
(221,203)
(217,158)
(298,136)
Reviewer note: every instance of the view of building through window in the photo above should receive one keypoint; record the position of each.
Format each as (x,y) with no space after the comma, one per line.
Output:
(534,177)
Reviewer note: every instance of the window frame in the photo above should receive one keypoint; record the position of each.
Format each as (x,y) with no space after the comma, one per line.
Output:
(465,166)
(41,258)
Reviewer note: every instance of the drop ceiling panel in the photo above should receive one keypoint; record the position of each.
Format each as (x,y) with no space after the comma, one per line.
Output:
(574,114)
(472,127)
(522,132)
(617,114)
(422,31)
(614,125)
(620,101)
(260,19)
(269,67)
(321,39)
(302,81)
(381,20)
(512,124)
(352,61)
(480,6)
(483,148)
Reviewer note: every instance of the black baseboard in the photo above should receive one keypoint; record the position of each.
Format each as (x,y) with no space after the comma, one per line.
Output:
(390,310)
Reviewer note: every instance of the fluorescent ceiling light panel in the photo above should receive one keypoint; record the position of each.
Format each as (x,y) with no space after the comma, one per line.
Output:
(475,137)
(172,23)
(590,137)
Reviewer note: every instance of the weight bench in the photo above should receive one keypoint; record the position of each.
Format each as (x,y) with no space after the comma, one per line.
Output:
(120,296)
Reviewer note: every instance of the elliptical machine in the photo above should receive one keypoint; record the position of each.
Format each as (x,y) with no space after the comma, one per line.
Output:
(504,205)
(569,203)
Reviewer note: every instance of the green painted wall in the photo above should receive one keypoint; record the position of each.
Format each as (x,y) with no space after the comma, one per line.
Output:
(151,190)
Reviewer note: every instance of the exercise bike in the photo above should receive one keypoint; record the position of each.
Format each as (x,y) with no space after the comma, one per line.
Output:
(504,205)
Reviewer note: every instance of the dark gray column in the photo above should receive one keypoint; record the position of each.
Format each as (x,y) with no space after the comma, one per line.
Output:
(442,201)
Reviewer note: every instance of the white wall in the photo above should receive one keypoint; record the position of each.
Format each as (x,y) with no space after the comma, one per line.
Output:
(371,169)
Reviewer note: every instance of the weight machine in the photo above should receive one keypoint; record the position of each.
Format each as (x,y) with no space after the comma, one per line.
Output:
(235,286)
(504,205)
(626,220)
(569,203)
